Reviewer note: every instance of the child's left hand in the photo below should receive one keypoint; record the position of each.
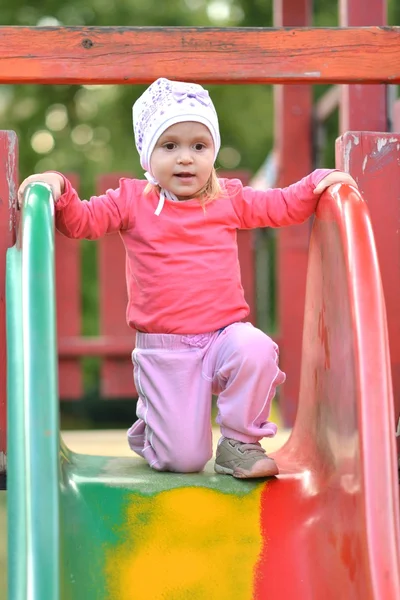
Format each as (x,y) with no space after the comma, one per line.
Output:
(335,177)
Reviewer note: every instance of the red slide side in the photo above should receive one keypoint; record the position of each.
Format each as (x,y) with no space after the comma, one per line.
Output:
(334,511)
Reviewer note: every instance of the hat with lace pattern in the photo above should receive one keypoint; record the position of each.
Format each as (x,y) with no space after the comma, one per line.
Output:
(165,103)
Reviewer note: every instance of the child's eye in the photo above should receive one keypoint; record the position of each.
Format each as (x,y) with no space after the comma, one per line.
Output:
(199,146)
(169,146)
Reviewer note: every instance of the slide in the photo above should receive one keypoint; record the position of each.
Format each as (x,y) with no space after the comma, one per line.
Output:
(101,528)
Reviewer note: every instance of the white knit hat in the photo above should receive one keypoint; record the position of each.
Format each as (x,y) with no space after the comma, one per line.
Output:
(165,103)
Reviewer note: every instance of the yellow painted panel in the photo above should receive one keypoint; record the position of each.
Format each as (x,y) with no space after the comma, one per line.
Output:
(187,544)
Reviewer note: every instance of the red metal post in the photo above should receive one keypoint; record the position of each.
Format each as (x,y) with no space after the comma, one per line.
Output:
(373,160)
(363,107)
(293,107)
(8,191)
(68,298)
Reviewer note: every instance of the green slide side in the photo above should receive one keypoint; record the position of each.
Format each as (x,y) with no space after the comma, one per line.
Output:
(33,430)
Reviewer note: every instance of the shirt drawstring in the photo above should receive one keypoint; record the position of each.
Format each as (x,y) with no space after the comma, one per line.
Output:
(163,194)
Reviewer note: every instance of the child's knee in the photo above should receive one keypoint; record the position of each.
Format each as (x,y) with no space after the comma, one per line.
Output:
(183,459)
(255,347)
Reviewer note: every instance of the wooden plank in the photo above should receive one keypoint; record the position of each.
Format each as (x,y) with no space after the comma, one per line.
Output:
(246,250)
(68,302)
(358,13)
(363,108)
(373,160)
(327,104)
(293,147)
(116,371)
(90,55)
(103,345)
(396,115)
(8,197)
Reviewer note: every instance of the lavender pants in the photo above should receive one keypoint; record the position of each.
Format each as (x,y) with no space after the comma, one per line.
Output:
(175,376)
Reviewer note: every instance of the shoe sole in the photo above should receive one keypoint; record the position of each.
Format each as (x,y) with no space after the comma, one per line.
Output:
(222,470)
(262,472)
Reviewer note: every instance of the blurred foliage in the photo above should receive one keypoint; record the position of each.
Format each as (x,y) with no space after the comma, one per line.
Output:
(88,129)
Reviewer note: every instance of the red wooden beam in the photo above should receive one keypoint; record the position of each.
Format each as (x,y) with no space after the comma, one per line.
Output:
(396,115)
(246,250)
(363,108)
(90,55)
(8,190)
(103,346)
(116,369)
(293,112)
(327,104)
(68,298)
(358,13)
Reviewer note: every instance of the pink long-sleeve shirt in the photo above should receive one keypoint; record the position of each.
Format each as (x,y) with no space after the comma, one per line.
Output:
(182,268)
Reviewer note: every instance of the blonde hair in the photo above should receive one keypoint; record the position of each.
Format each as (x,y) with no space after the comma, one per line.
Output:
(211,191)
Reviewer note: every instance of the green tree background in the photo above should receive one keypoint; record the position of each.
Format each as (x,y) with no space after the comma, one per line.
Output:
(88,129)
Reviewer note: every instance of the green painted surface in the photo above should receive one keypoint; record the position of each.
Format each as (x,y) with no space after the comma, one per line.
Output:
(84,527)
(3,544)
(17,483)
(33,430)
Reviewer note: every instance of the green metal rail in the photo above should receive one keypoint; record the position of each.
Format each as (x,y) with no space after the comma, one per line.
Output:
(33,417)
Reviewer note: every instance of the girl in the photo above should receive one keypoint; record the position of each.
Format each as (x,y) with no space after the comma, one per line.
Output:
(185,298)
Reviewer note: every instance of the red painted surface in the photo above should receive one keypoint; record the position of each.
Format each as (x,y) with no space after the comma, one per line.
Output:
(363,108)
(8,189)
(246,247)
(103,346)
(396,116)
(123,55)
(116,372)
(374,161)
(293,106)
(332,514)
(327,104)
(68,303)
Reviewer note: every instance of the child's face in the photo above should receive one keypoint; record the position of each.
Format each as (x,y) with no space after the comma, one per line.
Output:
(183,158)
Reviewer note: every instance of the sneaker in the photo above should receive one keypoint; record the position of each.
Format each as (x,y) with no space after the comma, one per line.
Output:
(243,460)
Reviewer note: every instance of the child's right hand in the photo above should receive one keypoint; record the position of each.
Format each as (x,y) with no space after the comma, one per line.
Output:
(54,180)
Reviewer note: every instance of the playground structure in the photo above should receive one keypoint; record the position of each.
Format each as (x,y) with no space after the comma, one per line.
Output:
(336,502)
